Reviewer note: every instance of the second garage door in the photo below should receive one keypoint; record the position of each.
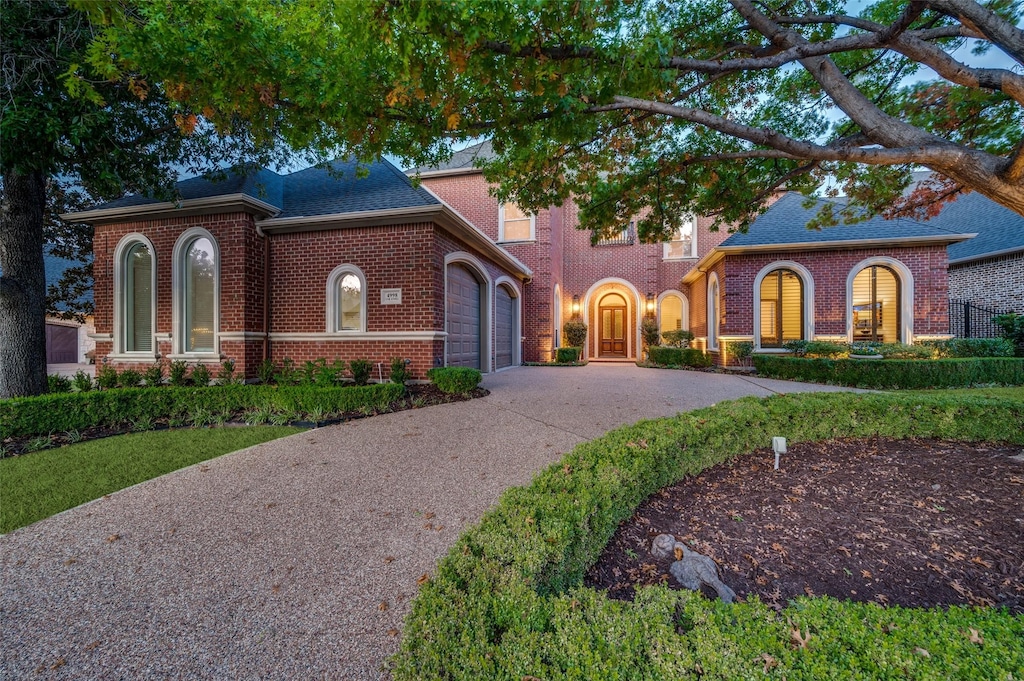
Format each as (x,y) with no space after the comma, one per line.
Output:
(463,318)
(504,328)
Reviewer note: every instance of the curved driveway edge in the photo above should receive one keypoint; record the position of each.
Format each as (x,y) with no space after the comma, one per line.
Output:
(297,558)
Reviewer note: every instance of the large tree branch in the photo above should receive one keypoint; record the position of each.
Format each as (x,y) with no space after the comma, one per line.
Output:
(787,147)
(1008,37)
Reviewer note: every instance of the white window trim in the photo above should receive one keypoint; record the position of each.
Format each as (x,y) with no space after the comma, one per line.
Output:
(517,330)
(501,227)
(685,307)
(808,312)
(332,298)
(120,251)
(906,295)
(556,315)
(693,244)
(486,306)
(178,289)
(713,303)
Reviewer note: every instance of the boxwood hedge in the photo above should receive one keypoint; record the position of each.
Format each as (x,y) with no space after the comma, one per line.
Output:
(116,408)
(893,373)
(678,357)
(507,601)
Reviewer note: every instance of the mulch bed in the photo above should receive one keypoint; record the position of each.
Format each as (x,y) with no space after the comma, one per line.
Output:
(416,397)
(917,523)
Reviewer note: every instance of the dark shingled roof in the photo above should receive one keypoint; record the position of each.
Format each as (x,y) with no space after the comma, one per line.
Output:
(309,192)
(460,160)
(786,223)
(317,191)
(999,229)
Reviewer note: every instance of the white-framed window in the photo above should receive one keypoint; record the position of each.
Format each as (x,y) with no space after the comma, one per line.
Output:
(714,312)
(196,294)
(346,300)
(684,241)
(514,224)
(670,313)
(134,296)
(781,308)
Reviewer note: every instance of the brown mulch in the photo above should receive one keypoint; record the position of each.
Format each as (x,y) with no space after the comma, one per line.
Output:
(917,523)
(417,396)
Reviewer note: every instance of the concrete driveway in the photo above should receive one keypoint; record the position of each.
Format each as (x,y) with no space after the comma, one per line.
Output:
(298,558)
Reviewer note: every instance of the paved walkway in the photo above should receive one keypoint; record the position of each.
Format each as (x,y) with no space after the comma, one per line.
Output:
(298,558)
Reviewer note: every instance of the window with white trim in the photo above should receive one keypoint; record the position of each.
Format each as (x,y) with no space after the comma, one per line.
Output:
(136,313)
(671,313)
(684,241)
(782,308)
(514,224)
(346,300)
(199,296)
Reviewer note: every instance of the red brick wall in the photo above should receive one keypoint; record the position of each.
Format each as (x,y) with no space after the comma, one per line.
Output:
(830,269)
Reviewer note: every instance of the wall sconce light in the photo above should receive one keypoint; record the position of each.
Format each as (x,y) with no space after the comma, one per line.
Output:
(576,305)
(650,304)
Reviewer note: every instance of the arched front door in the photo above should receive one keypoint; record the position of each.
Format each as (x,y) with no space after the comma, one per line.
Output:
(611,316)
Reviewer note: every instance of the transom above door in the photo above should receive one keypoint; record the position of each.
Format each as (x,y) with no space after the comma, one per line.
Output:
(611,317)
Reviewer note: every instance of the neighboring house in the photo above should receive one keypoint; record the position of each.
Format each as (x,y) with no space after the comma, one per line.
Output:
(988,270)
(68,341)
(320,264)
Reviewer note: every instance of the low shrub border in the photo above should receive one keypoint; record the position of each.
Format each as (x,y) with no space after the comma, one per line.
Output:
(116,408)
(894,373)
(507,601)
(455,380)
(680,357)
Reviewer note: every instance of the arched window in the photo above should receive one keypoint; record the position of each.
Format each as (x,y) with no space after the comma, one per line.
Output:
(782,307)
(346,300)
(200,296)
(138,299)
(714,313)
(134,295)
(670,314)
(876,301)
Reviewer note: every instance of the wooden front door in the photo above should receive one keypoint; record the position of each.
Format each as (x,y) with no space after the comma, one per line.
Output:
(611,315)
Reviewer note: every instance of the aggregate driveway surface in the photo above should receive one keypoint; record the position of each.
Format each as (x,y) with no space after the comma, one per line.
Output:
(298,558)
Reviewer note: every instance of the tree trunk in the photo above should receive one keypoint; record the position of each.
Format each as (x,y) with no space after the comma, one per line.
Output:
(22,286)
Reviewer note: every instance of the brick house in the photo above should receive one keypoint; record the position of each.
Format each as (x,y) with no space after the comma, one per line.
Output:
(321,264)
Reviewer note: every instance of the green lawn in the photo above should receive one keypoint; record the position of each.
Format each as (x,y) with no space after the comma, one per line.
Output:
(1015,393)
(36,486)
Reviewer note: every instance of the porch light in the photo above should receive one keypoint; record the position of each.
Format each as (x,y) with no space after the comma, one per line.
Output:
(650,304)
(576,304)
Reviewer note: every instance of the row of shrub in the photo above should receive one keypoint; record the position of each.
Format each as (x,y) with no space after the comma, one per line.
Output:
(507,602)
(678,357)
(940,349)
(180,374)
(894,374)
(119,408)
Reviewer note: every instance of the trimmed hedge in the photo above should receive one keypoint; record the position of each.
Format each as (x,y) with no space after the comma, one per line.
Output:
(455,380)
(678,357)
(507,601)
(567,355)
(46,414)
(896,374)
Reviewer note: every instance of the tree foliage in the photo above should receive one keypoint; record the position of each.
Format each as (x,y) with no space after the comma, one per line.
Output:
(649,107)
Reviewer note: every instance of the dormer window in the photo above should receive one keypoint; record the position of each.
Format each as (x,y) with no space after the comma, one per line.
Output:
(684,241)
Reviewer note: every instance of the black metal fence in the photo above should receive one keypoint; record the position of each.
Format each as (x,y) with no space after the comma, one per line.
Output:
(967,320)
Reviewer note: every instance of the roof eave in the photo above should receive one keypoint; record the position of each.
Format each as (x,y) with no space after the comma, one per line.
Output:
(202,206)
(440,214)
(846,244)
(444,172)
(985,256)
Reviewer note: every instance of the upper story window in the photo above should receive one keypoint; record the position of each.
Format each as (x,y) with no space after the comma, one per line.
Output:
(346,300)
(684,242)
(622,238)
(514,224)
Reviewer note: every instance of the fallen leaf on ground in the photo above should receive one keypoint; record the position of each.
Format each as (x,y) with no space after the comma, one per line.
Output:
(423,579)
(389,559)
(769,662)
(922,652)
(798,638)
(114,537)
(975,636)
(383,606)
(392,632)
